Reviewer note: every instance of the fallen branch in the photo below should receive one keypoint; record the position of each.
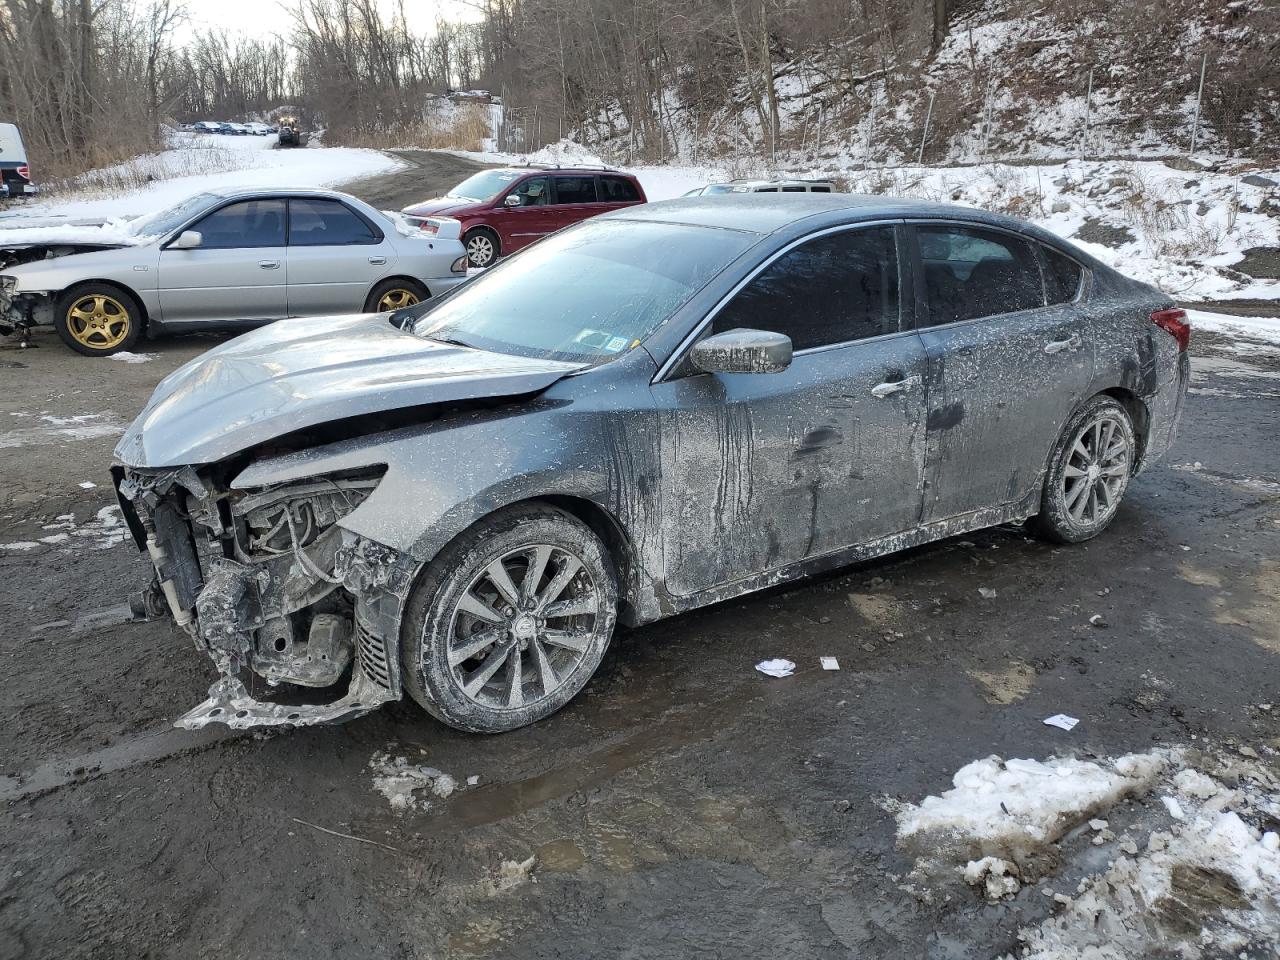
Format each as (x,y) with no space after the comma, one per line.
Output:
(348,836)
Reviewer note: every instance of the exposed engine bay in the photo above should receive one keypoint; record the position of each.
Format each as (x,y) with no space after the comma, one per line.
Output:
(267,580)
(24,311)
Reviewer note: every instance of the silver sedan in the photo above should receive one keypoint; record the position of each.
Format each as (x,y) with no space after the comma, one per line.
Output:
(233,258)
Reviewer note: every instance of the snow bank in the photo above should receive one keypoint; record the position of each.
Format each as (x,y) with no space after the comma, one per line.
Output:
(1181,230)
(1257,328)
(1011,809)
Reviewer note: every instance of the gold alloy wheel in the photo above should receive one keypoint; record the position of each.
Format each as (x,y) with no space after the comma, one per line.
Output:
(397,299)
(98,321)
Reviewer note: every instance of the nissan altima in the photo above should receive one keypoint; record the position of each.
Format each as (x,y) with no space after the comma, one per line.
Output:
(235,258)
(649,412)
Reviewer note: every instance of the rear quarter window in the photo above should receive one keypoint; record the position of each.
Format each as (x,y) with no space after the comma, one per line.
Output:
(1062,276)
(618,190)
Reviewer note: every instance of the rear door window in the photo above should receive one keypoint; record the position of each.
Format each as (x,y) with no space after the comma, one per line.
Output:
(833,289)
(315,222)
(249,223)
(575,189)
(618,190)
(1062,276)
(971,273)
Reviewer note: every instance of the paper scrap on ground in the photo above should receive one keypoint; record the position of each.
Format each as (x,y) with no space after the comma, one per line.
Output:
(830,663)
(1061,720)
(987,593)
(88,485)
(776,668)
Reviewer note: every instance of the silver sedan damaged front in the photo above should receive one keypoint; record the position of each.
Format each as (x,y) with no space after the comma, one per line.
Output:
(267,580)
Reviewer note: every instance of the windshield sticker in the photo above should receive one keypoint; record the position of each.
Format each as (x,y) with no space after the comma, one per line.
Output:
(615,344)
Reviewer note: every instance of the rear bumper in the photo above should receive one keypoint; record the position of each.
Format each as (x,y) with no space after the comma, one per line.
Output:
(438,286)
(14,190)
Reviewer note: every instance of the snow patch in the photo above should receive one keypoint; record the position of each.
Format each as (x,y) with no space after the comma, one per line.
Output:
(408,786)
(124,356)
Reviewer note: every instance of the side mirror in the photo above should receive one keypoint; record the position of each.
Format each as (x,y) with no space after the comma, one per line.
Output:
(742,351)
(187,240)
(512,200)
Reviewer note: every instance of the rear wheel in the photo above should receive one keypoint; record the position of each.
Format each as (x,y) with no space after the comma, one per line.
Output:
(395,294)
(482,247)
(97,319)
(1089,472)
(510,621)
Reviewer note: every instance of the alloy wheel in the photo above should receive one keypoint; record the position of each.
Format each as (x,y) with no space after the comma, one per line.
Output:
(1097,470)
(98,321)
(480,250)
(397,299)
(522,627)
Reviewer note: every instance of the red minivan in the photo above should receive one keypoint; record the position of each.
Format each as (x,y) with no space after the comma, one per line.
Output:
(508,208)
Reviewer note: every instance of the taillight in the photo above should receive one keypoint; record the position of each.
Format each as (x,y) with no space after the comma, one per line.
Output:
(24,172)
(1174,322)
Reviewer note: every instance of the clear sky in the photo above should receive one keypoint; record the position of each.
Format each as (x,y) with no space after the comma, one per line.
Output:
(266,17)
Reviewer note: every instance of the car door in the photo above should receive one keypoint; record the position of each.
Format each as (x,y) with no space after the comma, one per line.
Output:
(1005,368)
(617,191)
(763,470)
(575,199)
(531,219)
(335,256)
(237,272)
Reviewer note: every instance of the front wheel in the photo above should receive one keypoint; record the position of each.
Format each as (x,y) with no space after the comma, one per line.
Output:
(482,247)
(97,319)
(510,621)
(1089,472)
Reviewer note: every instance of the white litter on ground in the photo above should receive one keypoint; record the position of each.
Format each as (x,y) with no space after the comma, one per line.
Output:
(829,663)
(1062,721)
(126,357)
(409,786)
(776,668)
(87,485)
(987,593)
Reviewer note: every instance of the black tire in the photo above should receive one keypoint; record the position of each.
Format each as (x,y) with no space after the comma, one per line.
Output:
(1083,485)
(98,319)
(477,242)
(412,292)
(454,660)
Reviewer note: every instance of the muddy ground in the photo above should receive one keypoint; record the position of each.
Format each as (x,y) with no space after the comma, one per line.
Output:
(684,805)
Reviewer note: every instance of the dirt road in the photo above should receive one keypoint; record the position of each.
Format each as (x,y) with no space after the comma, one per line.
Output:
(684,805)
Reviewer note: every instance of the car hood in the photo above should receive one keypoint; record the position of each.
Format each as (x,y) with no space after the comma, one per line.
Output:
(299,373)
(441,206)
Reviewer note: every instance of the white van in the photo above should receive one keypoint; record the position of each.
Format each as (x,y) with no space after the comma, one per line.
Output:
(15,174)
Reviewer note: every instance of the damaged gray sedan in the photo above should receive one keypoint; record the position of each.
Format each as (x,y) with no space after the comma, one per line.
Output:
(649,412)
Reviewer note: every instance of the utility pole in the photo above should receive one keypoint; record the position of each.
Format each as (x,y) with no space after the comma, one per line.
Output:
(1088,110)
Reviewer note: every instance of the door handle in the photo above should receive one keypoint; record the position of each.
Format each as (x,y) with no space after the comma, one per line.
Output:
(378,260)
(882,390)
(1057,346)
(269,264)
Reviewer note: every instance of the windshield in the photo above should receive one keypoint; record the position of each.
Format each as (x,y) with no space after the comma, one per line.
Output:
(585,295)
(484,185)
(166,221)
(720,188)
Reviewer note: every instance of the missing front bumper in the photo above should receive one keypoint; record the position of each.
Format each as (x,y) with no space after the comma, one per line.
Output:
(375,680)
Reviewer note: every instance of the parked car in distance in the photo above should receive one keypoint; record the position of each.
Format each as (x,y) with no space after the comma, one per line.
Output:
(652,411)
(234,258)
(508,208)
(15,171)
(258,129)
(207,126)
(763,186)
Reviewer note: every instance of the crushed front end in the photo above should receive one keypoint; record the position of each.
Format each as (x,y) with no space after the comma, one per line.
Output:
(268,580)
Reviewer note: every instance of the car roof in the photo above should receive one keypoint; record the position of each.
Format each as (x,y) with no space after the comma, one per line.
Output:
(765,213)
(566,171)
(239,193)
